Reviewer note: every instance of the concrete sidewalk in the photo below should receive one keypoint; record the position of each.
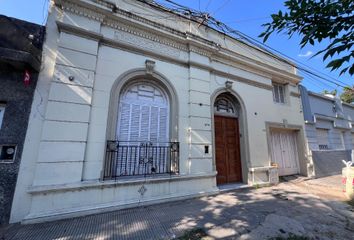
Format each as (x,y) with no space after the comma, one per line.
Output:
(241,214)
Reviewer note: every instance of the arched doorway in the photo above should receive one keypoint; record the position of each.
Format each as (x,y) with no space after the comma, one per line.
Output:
(227,139)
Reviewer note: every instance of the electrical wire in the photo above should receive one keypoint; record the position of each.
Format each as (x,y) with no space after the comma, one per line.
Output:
(247,20)
(221,7)
(207,6)
(209,21)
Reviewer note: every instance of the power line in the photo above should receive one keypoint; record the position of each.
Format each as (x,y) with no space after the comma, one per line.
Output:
(247,20)
(260,43)
(222,5)
(210,21)
(264,47)
(206,8)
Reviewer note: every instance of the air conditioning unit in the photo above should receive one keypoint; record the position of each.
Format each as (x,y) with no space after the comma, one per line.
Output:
(7,153)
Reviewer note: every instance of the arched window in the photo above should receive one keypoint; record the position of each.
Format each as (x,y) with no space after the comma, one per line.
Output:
(224,105)
(143,114)
(142,127)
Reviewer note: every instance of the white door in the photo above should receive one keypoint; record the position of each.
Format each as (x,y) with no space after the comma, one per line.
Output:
(284,151)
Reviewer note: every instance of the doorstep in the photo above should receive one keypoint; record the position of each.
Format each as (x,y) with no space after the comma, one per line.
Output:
(232,186)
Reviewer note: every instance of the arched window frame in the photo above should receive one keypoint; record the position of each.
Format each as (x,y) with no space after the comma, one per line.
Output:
(128,78)
(224,105)
(136,87)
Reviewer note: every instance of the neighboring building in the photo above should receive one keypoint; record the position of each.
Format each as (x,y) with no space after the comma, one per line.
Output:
(141,105)
(20,53)
(329,132)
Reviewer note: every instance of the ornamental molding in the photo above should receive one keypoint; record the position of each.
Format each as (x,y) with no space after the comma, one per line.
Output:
(143,38)
(109,12)
(201,51)
(162,39)
(105,3)
(146,44)
(149,66)
(114,24)
(81,11)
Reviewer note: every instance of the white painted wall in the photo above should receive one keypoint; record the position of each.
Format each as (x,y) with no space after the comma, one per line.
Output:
(64,150)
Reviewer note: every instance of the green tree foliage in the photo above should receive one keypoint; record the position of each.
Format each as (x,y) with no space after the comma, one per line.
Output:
(348,95)
(334,92)
(315,21)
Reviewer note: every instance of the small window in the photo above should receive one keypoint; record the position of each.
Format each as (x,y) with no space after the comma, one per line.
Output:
(2,111)
(322,138)
(279,93)
(225,105)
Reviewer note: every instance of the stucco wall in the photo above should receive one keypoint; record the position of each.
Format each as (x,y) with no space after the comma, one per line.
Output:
(69,142)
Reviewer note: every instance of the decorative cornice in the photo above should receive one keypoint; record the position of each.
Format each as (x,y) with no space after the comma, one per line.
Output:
(81,11)
(143,34)
(128,22)
(105,3)
(243,80)
(148,52)
(201,51)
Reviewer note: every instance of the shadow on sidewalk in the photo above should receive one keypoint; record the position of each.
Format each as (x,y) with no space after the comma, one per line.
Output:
(229,214)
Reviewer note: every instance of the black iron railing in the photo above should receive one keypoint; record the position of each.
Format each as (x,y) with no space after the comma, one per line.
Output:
(140,158)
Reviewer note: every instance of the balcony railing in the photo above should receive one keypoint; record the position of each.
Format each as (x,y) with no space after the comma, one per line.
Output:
(140,159)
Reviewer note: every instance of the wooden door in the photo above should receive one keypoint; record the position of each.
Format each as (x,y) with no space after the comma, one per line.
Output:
(227,150)
(284,152)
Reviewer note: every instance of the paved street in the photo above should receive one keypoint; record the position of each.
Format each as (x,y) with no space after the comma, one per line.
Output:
(261,213)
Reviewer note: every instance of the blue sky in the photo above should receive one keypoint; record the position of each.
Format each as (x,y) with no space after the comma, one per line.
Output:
(246,16)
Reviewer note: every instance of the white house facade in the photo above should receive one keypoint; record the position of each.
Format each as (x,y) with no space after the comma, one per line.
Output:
(137,105)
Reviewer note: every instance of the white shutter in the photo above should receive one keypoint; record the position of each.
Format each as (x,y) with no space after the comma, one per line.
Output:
(135,123)
(144,123)
(124,122)
(163,122)
(143,114)
(154,124)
